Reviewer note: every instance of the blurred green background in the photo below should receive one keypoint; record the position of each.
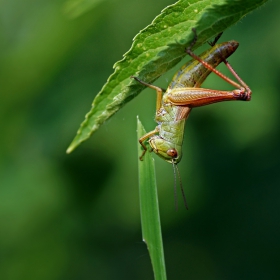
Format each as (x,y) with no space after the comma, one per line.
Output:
(77,216)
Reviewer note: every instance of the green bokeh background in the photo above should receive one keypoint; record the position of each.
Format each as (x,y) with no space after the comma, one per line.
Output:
(77,216)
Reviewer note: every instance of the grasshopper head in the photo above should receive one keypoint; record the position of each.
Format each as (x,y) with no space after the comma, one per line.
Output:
(168,151)
(171,153)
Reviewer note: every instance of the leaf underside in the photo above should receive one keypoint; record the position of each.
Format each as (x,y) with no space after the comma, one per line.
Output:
(158,48)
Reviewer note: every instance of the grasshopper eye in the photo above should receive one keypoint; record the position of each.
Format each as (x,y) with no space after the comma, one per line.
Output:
(172,153)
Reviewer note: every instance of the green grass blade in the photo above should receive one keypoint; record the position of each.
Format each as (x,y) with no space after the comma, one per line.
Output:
(150,219)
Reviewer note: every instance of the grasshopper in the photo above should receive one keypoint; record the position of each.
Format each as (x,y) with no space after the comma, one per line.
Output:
(174,105)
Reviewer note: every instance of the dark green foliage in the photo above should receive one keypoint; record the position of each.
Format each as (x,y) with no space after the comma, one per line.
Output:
(77,216)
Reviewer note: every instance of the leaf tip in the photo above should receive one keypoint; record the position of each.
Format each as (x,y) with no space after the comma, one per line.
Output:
(70,149)
(72,146)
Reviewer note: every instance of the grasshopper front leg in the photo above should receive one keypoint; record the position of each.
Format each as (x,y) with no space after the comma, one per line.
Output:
(159,92)
(145,137)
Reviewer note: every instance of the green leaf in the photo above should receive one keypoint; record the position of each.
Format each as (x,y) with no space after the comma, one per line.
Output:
(149,209)
(158,48)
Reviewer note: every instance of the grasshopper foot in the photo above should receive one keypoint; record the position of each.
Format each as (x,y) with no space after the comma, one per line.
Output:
(143,153)
(242,94)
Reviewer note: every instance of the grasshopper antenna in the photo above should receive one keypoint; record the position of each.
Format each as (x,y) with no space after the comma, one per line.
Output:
(181,187)
(175,187)
(175,168)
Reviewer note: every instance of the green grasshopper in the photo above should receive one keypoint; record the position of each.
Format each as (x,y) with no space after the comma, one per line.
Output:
(174,105)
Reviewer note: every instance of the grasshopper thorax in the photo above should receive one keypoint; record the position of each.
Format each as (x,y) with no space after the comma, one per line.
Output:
(166,150)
